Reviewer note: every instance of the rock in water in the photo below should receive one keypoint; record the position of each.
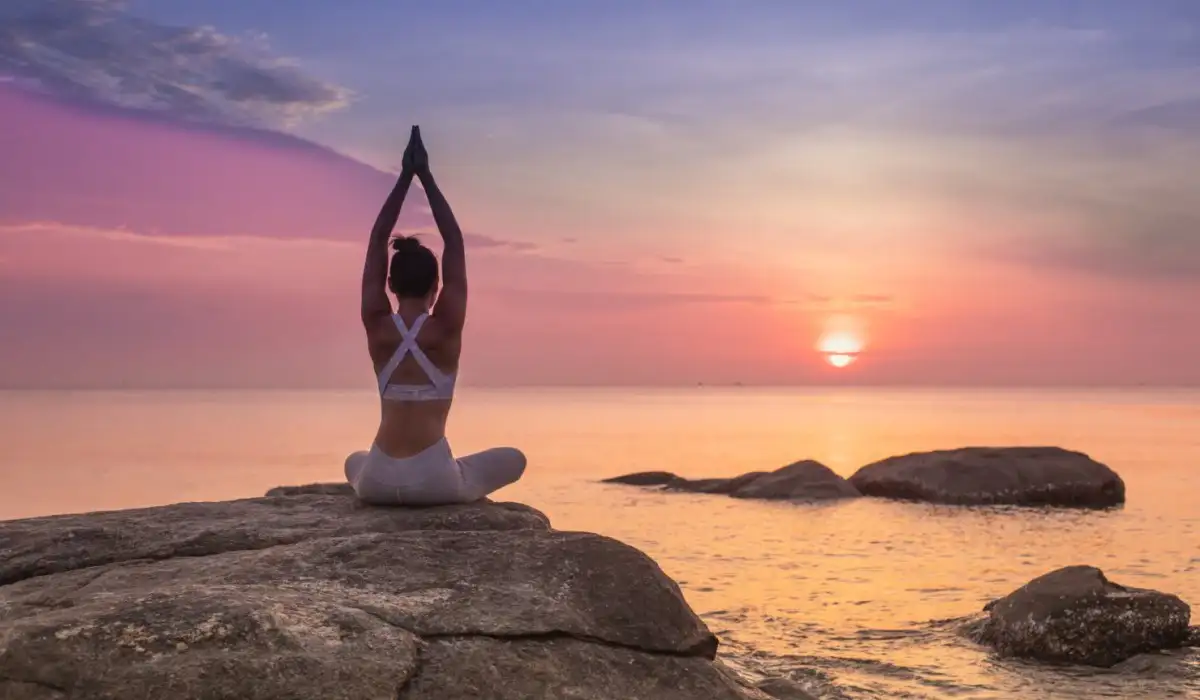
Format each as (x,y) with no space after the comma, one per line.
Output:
(643,479)
(724,486)
(1028,476)
(1076,615)
(803,481)
(308,594)
(784,689)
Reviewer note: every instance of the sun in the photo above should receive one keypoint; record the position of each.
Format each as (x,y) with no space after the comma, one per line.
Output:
(840,360)
(841,347)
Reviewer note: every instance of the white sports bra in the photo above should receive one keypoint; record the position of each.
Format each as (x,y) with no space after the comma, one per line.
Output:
(440,386)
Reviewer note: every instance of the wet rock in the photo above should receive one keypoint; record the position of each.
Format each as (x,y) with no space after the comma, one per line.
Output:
(784,689)
(718,486)
(643,479)
(1076,615)
(806,480)
(479,667)
(1028,476)
(308,594)
(802,481)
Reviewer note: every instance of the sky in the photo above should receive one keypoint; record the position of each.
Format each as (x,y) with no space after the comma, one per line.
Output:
(653,193)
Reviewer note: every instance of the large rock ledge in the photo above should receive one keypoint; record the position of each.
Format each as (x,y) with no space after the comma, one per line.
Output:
(1023,476)
(1076,615)
(805,480)
(307,594)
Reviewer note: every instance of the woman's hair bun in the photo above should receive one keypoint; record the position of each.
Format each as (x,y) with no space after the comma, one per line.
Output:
(409,243)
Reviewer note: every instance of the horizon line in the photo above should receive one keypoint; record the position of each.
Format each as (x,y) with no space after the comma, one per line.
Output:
(672,385)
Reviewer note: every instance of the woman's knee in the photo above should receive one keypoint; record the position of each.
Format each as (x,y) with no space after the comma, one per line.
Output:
(515,460)
(354,465)
(495,467)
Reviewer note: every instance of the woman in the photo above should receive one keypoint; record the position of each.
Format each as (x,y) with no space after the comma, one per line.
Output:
(415,352)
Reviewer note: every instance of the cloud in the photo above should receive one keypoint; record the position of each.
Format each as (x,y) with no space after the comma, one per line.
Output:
(96,51)
(186,182)
(1149,245)
(482,241)
(872,299)
(613,300)
(1182,115)
(116,235)
(838,303)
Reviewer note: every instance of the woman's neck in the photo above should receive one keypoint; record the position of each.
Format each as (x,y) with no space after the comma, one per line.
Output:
(411,307)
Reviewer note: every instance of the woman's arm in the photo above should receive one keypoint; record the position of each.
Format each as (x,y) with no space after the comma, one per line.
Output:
(451,307)
(374,280)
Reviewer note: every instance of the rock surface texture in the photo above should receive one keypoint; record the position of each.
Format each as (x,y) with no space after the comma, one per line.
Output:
(802,481)
(307,594)
(1027,476)
(1076,615)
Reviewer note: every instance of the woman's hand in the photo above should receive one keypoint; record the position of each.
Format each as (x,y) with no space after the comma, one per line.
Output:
(416,159)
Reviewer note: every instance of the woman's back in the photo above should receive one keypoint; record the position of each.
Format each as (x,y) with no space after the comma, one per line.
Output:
(416,366)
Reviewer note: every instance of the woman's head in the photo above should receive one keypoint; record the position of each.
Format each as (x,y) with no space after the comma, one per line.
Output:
(414,269)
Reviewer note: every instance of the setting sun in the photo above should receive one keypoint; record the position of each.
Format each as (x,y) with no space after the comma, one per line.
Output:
(839,360)
(841,347)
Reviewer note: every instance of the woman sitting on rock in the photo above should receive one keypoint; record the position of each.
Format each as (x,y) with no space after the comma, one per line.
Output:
(415,353)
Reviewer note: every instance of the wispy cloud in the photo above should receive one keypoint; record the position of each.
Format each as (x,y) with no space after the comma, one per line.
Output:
(610,299)
(484,242)
(115,235)
(95,50)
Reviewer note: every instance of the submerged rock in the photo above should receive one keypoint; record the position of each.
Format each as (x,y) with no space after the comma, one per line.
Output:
(805,480)
(643,479)
(1076,615)
(802,481)
(308,594)
(719,486)
(1028,476)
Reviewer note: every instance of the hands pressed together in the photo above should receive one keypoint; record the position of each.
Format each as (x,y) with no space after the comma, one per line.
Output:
(416,159)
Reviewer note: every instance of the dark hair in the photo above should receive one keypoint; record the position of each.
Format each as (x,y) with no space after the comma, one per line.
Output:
(414,268)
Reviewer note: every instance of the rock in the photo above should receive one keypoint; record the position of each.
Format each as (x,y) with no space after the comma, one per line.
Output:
(718,486)
(643,479)
(308,594)
(1194,636)
(802,481)
(784,689)
(338,489)
(806,480)
(479,667)
(1076,615)
(1028,476)
(40,546)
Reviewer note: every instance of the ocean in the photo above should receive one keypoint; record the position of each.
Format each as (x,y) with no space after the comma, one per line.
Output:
(853,599)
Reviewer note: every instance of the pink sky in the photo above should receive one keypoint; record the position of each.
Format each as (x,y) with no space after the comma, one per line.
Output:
(145,252)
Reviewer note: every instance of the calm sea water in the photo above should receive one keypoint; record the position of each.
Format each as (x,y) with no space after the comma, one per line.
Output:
(850,598)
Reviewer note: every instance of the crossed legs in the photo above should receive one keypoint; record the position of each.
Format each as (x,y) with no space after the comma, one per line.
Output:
(432,477)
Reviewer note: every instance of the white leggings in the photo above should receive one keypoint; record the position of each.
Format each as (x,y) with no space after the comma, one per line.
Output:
(432,476)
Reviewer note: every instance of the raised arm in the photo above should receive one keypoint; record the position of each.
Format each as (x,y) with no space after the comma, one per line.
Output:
(451,307)
(375,302)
